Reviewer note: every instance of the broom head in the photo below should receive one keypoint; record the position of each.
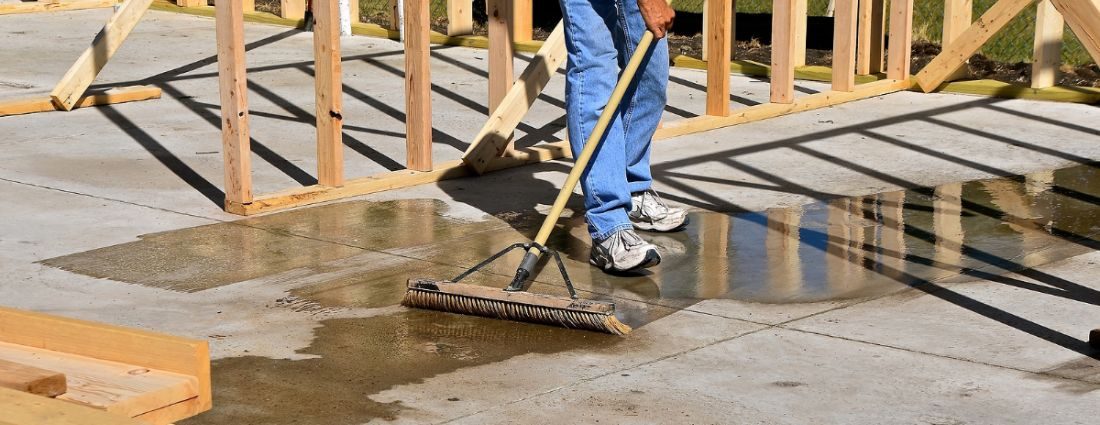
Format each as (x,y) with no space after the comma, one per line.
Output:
(518,306)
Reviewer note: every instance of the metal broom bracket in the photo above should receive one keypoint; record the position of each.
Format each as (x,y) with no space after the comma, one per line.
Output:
(526,247)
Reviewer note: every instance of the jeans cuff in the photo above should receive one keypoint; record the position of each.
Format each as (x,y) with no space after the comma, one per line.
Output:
(616,229)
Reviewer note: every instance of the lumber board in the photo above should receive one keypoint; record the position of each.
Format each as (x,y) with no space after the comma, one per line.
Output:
(798,32)
(958,16)
(418,86)
(108,97)
(248,5)
(354,12)
(846,16)
(720,15)
(1083,17)
(900,50)
(292,9)
(395,20)
(501,72)
(329,92)
(732,26)
(31,379)
(119,388)
(1049,30)
(957,52)
(233,92)
(783,51)
(872,37)
(43,6)
(190,3)
(165,353)
(492,140)
(546,152)
(87,67)
(460,17)
(521,26)
(20,408)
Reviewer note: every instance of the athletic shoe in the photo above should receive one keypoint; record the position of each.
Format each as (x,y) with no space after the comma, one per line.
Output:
(624,251)
(648,212)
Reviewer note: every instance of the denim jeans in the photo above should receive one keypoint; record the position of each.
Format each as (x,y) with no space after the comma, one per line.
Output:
(600,36)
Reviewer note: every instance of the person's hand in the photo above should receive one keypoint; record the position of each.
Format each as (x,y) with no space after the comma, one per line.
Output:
(658,16)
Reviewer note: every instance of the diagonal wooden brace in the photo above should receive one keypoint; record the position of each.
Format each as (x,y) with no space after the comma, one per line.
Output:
(1083,17)
(492,140)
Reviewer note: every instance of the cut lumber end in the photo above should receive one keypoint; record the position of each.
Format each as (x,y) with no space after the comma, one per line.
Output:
(61,104)
(30,379)
(924,84)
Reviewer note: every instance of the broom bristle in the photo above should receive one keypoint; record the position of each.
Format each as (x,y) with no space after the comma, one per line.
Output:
(496,309)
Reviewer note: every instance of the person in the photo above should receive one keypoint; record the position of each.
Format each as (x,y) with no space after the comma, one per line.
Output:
(600,37)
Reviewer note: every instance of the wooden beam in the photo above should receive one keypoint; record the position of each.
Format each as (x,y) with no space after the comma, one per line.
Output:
(108,97)
(190,3)
(354,11)
(798,57)
(954,54)
(42,6)
(329,87)
(86,68)
(872,37)
(418,86)
(718,57)
(732,27)
(901,40)
(784,23)
(31,379)
(550,151)
(1049,30)
(292,9)
(460,17)
(492,141)
(99,341)
(521,25)
(248,5)
(233,88)
(501,53)
(958,15)
(1083,17)
(845,18)
(21,408)
(395,19)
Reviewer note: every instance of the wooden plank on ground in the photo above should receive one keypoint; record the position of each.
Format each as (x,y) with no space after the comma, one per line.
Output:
(720,13)
(31,379)
(846,17)
(872,37)
(492,141)
(329,89)
(87,67)
(784,23)
(20,408)
(292,9)
(233,88)
(900,50)
(167,353)
(108,97)
(418,86)
(954,54)
(43,6)
(460,17)
(1049,30)
(1083,17)
(958,16)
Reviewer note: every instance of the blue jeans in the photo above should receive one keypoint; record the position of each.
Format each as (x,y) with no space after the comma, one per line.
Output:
(600,36)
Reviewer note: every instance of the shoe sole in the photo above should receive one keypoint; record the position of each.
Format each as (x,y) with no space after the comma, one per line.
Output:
(652,258)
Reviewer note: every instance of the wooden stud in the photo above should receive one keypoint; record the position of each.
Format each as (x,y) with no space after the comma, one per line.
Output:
(550,151)
(492,141)
(418,85)
(1049,30)
(190,3)
(958,15)
(718,57)
(395,20)
(108,97)
(292,9)
(460,17)
(501,53)
(354,12)
(248,6)
(901,40)
(872,37)
(14,8)
(21,408)
(1083,17)
(798,56)
(86,68)
(846,15)
(783,49)
(233,88)
(954,54)
(521,26)
(31,379)
(330,105)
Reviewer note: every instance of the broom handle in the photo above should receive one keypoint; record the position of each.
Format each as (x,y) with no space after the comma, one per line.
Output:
(593,142)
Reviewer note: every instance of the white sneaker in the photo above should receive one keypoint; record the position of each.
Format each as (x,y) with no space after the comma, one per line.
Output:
(624,251)
(648,212)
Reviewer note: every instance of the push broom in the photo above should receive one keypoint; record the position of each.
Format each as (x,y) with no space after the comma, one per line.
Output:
(514,302)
